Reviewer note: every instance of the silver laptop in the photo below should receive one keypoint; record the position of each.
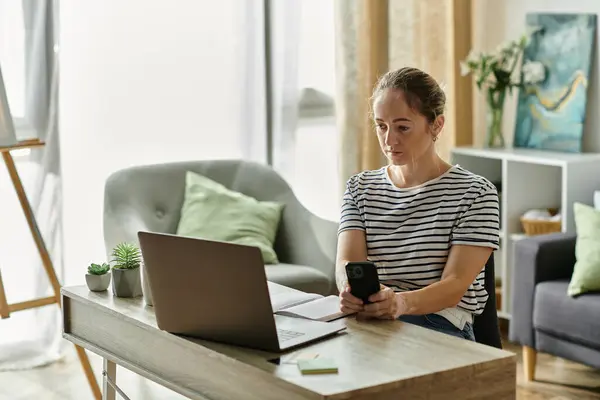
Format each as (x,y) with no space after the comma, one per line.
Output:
(218,291)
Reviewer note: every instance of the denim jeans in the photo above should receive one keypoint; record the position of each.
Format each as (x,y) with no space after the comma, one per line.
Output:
(440,324)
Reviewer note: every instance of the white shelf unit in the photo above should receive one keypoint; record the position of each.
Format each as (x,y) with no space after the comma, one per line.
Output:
(530,179)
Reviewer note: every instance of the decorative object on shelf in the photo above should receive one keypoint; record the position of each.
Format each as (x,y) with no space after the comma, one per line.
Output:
(98,277)
(551,113)
(126,270)
(541,222)
(493,73)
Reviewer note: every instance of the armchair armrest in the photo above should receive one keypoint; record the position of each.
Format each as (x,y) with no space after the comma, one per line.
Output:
(307,239)
(537,259)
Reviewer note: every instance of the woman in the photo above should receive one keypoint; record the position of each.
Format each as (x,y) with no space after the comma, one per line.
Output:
(428,226)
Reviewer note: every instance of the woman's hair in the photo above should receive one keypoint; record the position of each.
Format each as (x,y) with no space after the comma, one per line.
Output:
(421,91)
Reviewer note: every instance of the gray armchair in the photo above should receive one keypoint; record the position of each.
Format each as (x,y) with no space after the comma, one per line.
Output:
(150,198)
(544,317)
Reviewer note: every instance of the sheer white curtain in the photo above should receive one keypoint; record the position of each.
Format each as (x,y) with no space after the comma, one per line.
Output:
(285,51)
(171,83)
(31,338)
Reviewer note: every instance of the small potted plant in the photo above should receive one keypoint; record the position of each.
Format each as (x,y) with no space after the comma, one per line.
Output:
(98,277)
(126,280)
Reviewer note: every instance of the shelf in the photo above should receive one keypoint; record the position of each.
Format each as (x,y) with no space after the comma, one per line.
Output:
(529,179)
(518,236)
(528,155)
(504,315)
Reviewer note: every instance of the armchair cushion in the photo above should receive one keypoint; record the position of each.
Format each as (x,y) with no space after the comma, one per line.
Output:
(586,273)
(212,211)
(557,314)
(299,277)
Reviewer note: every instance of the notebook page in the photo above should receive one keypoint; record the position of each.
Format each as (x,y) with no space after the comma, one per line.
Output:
(323,309)
(283,297)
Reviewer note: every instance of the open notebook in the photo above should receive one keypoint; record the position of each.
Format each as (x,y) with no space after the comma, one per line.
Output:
(296,303)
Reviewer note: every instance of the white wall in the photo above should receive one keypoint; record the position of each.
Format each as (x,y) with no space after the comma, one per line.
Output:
(143,81)
(496,21)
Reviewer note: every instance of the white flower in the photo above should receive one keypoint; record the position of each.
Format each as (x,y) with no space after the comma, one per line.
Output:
(464,68)
(472,56)
(533,72)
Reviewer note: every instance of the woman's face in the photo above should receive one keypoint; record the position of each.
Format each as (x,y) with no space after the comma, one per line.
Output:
(404,134)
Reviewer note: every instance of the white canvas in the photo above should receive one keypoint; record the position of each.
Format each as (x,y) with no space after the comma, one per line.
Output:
(7,129)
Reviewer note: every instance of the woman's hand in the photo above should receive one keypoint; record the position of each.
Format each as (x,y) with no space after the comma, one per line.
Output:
(348,303)
(385,304)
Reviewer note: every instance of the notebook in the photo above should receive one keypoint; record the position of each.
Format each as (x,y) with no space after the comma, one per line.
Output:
(296,303)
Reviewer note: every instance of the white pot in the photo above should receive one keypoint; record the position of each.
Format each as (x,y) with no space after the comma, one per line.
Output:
(97,283)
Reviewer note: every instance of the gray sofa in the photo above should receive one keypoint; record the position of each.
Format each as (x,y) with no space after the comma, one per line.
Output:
(544,317)
(150,198)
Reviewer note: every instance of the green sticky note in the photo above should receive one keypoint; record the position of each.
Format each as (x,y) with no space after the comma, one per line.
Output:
(317,366)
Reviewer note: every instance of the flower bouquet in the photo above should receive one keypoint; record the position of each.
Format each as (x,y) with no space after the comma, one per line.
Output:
(494,73)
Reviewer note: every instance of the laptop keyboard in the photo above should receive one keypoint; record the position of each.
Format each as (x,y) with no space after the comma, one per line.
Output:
(287,335)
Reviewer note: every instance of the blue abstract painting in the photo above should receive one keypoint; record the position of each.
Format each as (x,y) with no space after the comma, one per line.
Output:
(551,114)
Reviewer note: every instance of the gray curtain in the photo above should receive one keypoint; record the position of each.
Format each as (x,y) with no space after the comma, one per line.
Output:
(42,182)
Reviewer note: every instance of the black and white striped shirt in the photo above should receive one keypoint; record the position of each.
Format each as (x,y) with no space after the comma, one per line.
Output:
(409,231)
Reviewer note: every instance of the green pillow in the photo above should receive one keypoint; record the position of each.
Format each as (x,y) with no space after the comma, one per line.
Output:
(586,274)
(211,211)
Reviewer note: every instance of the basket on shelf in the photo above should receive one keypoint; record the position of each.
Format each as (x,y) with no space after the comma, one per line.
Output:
(534,227)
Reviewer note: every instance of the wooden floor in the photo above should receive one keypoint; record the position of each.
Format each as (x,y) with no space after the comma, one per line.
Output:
(556,379)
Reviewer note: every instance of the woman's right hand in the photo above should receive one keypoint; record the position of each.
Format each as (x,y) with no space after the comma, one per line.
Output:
(348,303)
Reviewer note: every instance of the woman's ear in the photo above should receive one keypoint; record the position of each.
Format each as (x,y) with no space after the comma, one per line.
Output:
(438,125)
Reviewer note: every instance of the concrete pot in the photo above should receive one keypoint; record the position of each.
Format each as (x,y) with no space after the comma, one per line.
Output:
(126,282)
(97,283)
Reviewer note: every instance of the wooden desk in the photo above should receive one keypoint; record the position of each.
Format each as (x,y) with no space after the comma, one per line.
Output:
(376,359)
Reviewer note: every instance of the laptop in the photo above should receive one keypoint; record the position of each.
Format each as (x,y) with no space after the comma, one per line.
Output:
(218,291)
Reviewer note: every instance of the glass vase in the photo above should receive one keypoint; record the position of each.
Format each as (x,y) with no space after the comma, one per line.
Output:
(494,112)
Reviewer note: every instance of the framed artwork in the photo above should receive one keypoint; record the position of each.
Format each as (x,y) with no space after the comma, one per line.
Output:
(7,128)
(551,114)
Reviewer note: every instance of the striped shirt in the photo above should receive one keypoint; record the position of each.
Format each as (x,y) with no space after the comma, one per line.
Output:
(409,231)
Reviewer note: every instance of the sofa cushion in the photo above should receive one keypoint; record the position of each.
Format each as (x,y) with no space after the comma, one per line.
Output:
(586,274)
(212,211)
(299,277)
(573,319)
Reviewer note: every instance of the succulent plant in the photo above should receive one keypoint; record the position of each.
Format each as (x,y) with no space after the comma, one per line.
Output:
(126,256)
(98,269)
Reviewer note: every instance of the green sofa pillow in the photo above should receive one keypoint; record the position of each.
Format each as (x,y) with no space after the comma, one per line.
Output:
(586,274)
(212,211)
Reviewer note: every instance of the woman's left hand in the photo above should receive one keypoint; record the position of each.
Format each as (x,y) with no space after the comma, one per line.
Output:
(385,304)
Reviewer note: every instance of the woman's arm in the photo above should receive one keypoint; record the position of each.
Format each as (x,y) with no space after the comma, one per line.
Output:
(463,265)
(352,246)
(352,241)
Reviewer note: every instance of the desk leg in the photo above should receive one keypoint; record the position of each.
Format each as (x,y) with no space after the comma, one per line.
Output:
(108,392)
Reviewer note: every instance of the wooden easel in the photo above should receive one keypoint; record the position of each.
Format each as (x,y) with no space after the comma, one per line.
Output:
(5,307)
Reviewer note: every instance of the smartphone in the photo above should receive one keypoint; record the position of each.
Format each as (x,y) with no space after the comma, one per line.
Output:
(362,279)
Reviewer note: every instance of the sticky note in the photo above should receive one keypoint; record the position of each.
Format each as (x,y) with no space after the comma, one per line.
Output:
(317,366)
